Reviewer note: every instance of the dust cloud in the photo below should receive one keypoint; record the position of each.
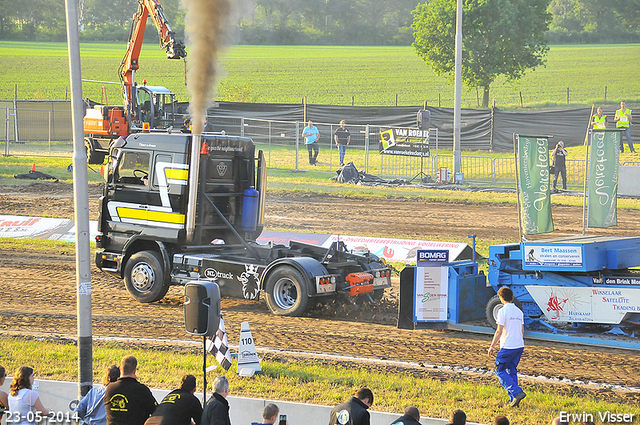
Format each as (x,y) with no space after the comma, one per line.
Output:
(206,23)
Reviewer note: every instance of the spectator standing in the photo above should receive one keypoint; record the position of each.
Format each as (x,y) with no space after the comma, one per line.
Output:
(4,397)
(354,411)
(599,120)
(269,415)
(510,333)
(127,401)
(179,407)
(216,411)
(411,417)
(623,121)
(186,126)
(342,138)
(24,403)
(91,409)
(457,417)
(559,155)
(311,135)
(207,127)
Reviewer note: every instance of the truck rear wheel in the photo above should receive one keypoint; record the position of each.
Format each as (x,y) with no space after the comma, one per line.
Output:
(286,292)
(493,307)
(144,277)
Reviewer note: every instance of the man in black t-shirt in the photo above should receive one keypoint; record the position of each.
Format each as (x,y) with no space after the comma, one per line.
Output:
(559,155)
(179,407)
(127,401)
(342,138)
(354,411)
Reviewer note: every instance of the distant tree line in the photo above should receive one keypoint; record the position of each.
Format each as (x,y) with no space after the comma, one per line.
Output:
(325,22)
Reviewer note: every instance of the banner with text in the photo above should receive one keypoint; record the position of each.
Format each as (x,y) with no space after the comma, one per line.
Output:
(603,179)
(533,176)
(431,294)
(404,141)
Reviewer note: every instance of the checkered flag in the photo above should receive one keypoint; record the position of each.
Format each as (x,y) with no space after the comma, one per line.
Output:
(220,347)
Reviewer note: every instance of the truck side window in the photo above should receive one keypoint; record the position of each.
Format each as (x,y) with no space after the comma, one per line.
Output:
(134,168)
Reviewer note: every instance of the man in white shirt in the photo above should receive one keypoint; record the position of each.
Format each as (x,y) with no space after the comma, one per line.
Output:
(510,331)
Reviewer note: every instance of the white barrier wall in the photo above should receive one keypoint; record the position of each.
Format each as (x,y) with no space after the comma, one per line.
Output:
(629,180)
(57,395)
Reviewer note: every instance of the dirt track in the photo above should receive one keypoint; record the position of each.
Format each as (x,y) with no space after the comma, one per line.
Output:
(48,282)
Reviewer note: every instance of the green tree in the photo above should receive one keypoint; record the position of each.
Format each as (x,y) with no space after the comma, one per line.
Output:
(500,37)
(629,12)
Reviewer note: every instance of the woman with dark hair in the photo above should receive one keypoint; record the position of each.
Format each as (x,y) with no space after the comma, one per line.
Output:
(23,401)
(4,397)
(91,408)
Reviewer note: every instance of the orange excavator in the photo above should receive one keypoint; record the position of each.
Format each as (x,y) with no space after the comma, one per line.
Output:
(145,106)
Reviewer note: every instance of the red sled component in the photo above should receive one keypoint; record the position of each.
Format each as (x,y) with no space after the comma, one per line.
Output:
(359,283)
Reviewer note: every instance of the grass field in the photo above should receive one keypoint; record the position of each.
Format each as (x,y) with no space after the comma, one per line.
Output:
(323,384)
(327,75)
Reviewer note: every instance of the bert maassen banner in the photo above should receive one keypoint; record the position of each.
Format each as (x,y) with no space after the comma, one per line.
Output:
(603,178)
(404,141)
(535,196)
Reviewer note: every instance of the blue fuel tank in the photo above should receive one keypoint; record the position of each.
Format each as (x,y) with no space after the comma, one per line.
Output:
(250,210)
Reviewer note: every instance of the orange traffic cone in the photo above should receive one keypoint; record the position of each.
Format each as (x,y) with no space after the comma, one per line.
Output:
(33,167)
(102,170)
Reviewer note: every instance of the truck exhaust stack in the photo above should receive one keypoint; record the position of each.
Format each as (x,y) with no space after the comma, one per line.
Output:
(193,186)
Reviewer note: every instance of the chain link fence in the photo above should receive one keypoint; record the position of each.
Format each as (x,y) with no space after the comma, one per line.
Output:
(37,132)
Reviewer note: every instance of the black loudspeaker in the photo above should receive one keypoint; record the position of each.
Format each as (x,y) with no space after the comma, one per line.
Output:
(424,119)
(202,308)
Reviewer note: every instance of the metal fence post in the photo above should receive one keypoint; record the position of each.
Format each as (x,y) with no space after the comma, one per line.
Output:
(15,123)
(49,132)
(6,131)
(297,144)
(366,149)
(331,147)
(242,126)
(493,171)
(269,143)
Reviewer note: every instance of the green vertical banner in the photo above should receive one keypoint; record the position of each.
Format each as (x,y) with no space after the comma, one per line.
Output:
(533,170)
(603,178)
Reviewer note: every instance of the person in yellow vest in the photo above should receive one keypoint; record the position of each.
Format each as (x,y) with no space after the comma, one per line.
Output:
(599,120)
(623,121)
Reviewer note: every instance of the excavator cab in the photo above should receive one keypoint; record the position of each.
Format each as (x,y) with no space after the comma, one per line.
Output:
(156,105)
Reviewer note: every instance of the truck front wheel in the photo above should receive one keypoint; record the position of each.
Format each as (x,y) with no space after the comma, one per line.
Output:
(286,292)
(144,277)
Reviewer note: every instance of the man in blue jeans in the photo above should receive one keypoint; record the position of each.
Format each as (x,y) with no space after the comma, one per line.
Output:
(311,135)
(510,332)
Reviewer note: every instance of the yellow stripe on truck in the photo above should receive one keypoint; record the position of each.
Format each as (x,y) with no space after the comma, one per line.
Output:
(155,216)
(175,174)
(135,213)
(165,217)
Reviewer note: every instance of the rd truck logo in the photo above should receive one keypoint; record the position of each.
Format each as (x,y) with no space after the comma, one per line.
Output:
(211,273)
(432,257)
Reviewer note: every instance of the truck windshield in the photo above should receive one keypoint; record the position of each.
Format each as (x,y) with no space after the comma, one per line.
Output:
(133,168)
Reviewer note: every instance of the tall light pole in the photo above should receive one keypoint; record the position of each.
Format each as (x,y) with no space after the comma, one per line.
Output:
(458,92)
(81,206)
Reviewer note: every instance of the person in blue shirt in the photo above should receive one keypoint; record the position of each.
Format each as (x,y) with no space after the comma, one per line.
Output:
(91,408)
(311,135)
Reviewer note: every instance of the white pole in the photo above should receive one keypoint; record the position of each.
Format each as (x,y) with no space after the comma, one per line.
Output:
(81,206)
(458,92)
